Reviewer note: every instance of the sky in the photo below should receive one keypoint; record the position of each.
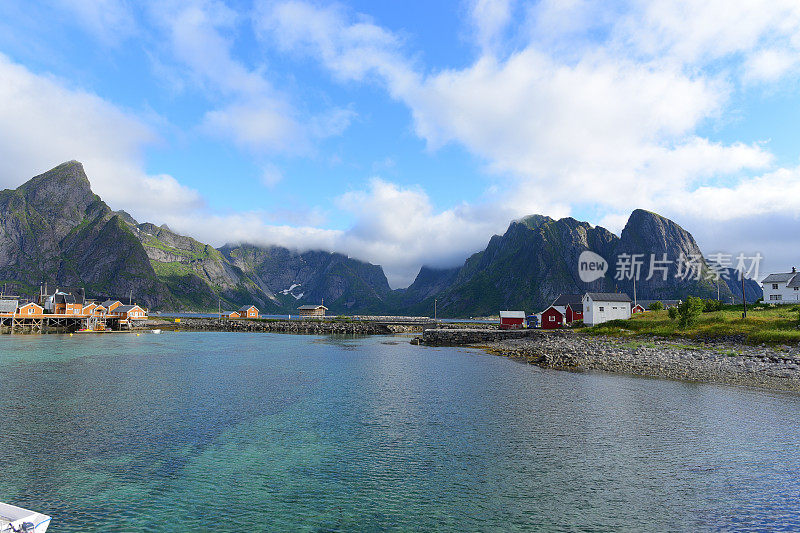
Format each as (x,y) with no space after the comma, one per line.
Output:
(408,133)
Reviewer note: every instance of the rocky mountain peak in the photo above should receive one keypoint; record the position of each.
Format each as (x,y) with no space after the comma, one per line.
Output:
(63,192)
(650,231)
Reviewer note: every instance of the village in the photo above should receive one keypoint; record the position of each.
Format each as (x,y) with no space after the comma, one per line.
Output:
(590,309)
(67,312)
(72,312)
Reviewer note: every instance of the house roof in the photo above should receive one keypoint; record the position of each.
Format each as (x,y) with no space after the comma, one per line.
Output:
(125,308)
(8,306)
(565,299)
(780,277)
(554,310)
(667,303)
(795,281)
(608,296)
(246,307)
(30,303)
(311,307)
(576,307)
(512,314)
(64,298)
(108,303)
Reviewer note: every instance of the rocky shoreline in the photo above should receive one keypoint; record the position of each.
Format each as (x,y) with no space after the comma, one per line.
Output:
(776,368)
(310,327)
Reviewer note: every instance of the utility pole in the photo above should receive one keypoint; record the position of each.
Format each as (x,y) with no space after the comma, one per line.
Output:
(219,308)
(130,298)
(744,300)
(634,289)
(435,318)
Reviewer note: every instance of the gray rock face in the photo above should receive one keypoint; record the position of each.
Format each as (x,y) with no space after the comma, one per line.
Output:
(54,230)
(345,284)
(537,259)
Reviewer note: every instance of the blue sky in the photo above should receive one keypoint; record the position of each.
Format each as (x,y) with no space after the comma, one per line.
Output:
(408,134)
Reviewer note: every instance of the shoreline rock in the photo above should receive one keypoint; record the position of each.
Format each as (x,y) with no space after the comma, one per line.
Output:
(308,327)
(719,362)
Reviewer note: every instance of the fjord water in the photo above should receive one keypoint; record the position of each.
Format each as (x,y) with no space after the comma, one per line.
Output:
(259,432)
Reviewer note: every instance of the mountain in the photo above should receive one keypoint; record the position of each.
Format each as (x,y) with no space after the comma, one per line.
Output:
(342,283)
(197,274)
(55,230)
(536,259)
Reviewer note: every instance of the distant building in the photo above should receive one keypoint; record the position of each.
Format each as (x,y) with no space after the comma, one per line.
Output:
(110,305)
(8,307)
(782,288)
(637,309)
(564,300)
(552,318)
(512,319)
(574,312)
(312,310)
(233,314)
(30,309)
(248,311)
(599,307)
(64,303)
(128,312)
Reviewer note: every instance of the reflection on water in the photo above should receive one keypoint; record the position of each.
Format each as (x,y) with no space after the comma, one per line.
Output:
(196,431)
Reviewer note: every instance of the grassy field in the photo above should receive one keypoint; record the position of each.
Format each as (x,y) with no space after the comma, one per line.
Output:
(769,325)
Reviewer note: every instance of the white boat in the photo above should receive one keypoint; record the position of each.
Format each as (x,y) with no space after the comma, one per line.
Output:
(156,331)
(17,519)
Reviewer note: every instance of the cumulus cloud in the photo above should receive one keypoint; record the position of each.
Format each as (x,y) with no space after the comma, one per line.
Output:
(254,114)
(44,122)
(490,18)
(394,226)
(602,99)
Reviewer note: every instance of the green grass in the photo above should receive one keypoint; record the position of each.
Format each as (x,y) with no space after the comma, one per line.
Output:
(767,325)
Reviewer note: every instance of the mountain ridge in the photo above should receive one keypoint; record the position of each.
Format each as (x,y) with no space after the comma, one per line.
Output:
(55,230)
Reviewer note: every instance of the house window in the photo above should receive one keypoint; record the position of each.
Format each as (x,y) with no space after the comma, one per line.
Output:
(775,286)
(601,309)
(775,297)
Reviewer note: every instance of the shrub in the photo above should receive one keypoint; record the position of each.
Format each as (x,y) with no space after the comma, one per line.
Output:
(656,306)
(689,310)
(710,306)
(673,313)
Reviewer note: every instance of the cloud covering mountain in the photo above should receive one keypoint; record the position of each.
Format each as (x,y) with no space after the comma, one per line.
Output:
(267,124)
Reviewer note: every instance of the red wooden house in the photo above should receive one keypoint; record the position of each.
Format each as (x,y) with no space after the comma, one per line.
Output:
(574,312)
(552,318)
(512,319)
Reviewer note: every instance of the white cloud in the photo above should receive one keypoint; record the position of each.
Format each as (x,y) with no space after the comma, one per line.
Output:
(490,18)
(769,65)
(394,226)
(254,114)
(602,99)
(108,20)
(44,122)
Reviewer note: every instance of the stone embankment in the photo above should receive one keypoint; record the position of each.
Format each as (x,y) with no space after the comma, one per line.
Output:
(720,362)
(313,327)
(452,336)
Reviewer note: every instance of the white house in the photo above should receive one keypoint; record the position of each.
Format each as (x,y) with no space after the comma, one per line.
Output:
(599,307)
(782,288)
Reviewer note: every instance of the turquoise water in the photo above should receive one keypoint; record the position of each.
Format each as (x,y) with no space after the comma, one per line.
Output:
(264,432)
